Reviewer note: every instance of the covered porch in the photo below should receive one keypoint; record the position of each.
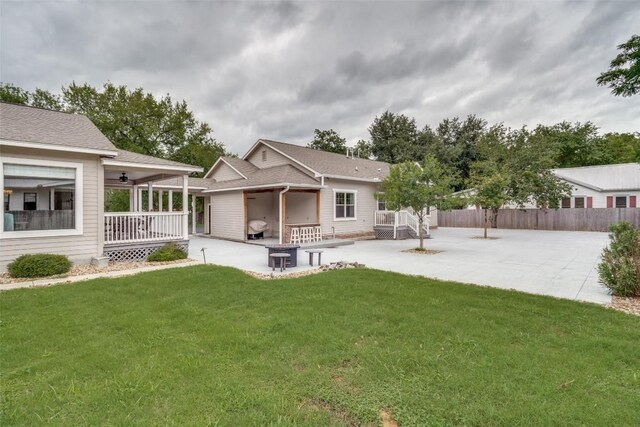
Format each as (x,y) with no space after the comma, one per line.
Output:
(146,205)
(283,215)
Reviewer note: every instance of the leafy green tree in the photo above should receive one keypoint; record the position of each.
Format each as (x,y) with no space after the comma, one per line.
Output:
(623,147)
(490,190)
(328,140)
(362,149)
(454,143)
(394,138)
(623,77)
(132,120)
(410,185)
(572,145)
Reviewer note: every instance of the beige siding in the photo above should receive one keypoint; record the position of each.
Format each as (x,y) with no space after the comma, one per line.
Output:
(264,206)
(365,206)
(79,248)
(273,158)
(225,173)
(227,215)
(301,208)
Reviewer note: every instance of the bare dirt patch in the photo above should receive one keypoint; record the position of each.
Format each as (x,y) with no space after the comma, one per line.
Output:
(485,238)
(387,419)
(423,252)
(338,414)
(86,269)
(629,305)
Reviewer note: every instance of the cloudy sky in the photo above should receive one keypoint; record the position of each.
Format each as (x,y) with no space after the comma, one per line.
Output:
(279,70)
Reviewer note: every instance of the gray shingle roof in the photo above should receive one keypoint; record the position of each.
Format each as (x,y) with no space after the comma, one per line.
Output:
(29,124)
(331,163)
(625,176)
(284,174)
(131,157)
(244,167)
(193,182)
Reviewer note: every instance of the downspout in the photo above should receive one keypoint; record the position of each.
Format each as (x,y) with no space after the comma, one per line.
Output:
(280,218)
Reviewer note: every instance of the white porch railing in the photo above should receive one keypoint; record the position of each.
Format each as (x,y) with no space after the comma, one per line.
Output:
(131,227)
(401,218)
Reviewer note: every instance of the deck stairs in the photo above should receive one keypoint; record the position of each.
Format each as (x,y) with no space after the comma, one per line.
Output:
(397,225)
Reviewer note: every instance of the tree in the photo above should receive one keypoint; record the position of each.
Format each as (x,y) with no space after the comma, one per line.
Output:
(362,149)
(328,140)
(132,120)
(623,77)
(410,185)
(394,138)
(490,189)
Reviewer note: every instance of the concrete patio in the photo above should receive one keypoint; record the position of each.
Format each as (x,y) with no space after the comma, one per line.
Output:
(562,264)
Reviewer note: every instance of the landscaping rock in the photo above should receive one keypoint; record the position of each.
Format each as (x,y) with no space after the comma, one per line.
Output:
(340,264)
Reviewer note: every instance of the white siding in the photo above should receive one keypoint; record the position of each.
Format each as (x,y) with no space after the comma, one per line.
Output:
(366,204)
(599,197)
(224,172)
(227,215)
(273,158)
(79,249)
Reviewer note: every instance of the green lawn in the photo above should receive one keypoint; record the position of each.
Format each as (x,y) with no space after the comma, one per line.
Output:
(210,345)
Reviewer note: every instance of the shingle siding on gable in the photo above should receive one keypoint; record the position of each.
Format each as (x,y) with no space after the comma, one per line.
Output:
(225,173)
(273,158)
(79,248)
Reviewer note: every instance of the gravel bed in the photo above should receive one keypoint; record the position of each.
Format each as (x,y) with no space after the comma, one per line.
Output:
(85,269)
(273,275)
(628,305)
(424,252)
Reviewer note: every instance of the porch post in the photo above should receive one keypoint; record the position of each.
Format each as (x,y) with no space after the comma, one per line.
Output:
(193,214)
(170,201)
(132,201)
(159,200)
(52,199)
(139,208)
(185,207)
(150,194)
(136,199)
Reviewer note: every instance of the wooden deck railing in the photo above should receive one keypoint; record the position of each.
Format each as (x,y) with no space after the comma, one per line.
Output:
(397,219)
(131,227)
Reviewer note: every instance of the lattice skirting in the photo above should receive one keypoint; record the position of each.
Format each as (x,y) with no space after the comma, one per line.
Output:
(138,251)
(386,233)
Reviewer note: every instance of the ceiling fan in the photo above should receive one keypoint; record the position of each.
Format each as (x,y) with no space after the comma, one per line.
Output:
(124,178)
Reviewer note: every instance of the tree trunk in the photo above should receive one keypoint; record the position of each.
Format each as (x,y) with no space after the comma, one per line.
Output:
(420,232)
(494,218)
(486,221)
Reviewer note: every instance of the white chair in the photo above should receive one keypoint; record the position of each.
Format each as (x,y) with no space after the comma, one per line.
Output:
(305,234)
(317,233)
(295,235)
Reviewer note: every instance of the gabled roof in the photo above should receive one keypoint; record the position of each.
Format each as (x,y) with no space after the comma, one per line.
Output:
(30,125)
(276,176)
(620,177)
(129,157)
(331,165)
(242,167)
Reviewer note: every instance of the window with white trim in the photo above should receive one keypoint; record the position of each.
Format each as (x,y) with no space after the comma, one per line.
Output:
(40,197)
(345,205)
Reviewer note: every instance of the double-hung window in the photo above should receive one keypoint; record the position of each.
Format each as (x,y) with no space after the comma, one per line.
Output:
(345,205)
(621,202)
(42,198)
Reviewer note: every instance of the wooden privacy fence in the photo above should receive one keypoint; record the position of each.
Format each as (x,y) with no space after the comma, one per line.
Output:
(538,219)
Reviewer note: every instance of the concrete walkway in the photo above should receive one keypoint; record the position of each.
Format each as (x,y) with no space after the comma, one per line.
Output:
(557,263)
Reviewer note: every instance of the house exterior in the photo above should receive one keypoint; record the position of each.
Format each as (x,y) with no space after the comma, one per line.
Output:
(603,186)
(287,186)
(54,170)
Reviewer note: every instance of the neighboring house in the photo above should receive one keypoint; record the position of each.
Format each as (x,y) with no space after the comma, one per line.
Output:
(54,169)
(604,186)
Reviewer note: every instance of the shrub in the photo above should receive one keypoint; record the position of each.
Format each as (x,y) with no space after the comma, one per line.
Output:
(39,265)
(169,252)
(620,267)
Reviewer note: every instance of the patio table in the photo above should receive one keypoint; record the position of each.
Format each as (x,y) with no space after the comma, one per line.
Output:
(287,248)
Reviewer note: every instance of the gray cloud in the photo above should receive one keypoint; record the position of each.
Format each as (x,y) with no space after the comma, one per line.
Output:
(280,70)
